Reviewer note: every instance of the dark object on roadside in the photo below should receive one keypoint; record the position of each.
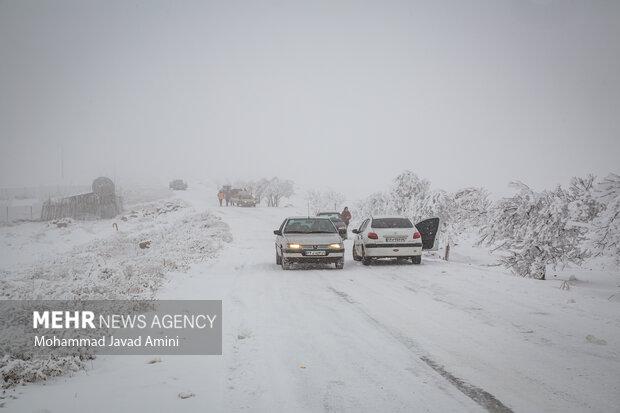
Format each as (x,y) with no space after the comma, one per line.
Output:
(144,244)
(243,198)
(237,196)
(101,203)
(338,222)
(103,186)
(178,185)
(228,193)
(62,223)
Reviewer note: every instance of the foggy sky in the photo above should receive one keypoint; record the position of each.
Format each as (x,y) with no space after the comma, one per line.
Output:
(344,94)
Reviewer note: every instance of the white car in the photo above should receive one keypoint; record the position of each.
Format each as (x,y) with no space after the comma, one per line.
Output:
(393,237)
(308,240)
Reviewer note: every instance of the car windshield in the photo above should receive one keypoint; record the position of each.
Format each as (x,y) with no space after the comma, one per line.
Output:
(391,223)
(309,226)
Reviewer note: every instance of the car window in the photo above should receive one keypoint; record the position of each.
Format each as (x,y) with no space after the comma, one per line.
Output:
(309,226)
(391,223)
(363,226)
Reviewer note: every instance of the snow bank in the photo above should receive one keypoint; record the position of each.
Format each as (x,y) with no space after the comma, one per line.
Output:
(132,262)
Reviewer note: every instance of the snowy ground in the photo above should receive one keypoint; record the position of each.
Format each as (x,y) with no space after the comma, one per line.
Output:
(442,336)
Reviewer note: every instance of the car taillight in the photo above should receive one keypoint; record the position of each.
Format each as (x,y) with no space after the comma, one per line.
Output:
(373,235)
(416,235)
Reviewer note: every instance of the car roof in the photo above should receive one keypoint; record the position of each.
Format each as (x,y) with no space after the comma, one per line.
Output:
(307,217)
(388,216)
(328,212)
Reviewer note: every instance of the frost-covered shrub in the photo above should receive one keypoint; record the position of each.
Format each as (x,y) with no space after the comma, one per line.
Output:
(585,203)
(536,229)
(375,204)
(607,223)
(109,268)
(326,200)
(14,371)
(471,206)
(413,197)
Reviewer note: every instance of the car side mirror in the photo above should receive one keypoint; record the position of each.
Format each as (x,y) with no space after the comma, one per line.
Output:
(355,231)
(277,232)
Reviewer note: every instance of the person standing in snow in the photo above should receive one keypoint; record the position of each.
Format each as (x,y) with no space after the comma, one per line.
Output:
(345,215)
(220,196)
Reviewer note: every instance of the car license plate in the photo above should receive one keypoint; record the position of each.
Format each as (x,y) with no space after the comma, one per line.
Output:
(315,252)
(394,239)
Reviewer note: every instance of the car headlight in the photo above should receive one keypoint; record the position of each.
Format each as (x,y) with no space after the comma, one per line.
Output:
(294,246)
(336,246)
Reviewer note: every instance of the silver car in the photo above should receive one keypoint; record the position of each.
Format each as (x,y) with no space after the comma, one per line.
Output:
(338,222)
(308,240)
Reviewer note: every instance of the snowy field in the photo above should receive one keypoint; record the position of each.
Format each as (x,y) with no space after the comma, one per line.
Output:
(444,336)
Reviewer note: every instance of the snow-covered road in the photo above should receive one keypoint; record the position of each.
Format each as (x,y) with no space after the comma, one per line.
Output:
(442,336)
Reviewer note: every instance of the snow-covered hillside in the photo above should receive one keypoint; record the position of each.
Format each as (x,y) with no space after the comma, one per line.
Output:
(443,336)
(125,258)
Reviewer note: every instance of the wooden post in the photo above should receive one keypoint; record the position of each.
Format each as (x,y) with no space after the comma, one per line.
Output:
(447,253)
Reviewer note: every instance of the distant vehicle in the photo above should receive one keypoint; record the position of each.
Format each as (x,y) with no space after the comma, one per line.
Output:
(338,222)
(178,185)
(242,198)
(393,237)
(308,240)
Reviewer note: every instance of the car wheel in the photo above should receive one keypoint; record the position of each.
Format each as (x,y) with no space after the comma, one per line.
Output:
(365,260)
(355,256)
(416,259)
(278,258)
(340,264)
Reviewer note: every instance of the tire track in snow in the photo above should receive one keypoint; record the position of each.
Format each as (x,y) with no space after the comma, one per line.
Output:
(477,394)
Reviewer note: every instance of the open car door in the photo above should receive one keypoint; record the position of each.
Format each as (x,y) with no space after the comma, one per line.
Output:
(428,229)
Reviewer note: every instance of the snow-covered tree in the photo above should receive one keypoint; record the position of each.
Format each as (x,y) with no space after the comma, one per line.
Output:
(377,203)
(413,197)
(607,223)
(277,189)
(584,202)
(471,206)
(535,229)
(260,187)
(256,188)
(326,200)
(410,194)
